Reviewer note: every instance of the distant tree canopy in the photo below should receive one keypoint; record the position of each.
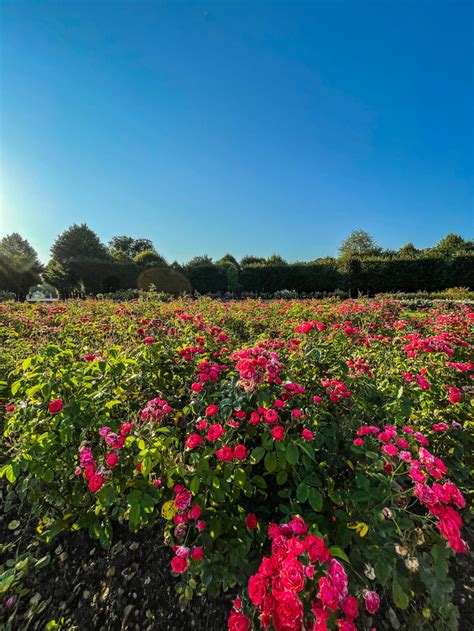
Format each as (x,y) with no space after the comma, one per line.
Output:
(149,258)
(20,267)
(126,248)
(359,243)
(78,241)
(81,263)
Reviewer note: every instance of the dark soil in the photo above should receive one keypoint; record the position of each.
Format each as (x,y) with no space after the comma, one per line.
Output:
(130,587)
(86,587)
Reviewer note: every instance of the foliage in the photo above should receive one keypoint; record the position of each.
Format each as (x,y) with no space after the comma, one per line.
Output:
(224,418)
(78,242)
(126,248)
(19,265)
(164,279)
(149,258)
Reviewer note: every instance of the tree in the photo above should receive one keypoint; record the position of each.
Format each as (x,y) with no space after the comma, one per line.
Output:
(408,251)
(125,248)
(78,241)
(359,243)
(20,267)
(228,259)
(453,244)
(276,259)
(250,259)
(204,259)
(149,258)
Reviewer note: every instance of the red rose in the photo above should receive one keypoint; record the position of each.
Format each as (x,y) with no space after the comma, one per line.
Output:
(197,553)
(257,588)
(193,440)
(149,340)
(240,452)
(372,601)
(95,482)
(328,593)
(251,521)
(278,433)
(292,575)
(225,454)
(211,410)
(238,622)
(179,564)
(307,434)
(182,500)
(55,406)
(9,408)
(317,551)
(288,612)
(111,459)
(350,607)
(215,432)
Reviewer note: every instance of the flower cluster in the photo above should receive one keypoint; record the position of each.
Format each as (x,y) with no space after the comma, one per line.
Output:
(300,586)
(410,450)
(256,365)
(155,410)
(186,514)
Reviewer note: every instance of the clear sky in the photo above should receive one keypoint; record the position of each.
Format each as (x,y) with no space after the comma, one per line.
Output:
(249,128)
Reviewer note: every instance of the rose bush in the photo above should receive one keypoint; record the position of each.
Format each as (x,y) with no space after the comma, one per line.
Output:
(224,418)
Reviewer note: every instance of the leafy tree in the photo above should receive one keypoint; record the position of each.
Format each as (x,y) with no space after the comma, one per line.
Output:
(126,248)
(248,260)
(228,259)
(276,259)
(20,267)
(453,244)
(78,241)
(199,260)
(408,251)
(149,258)
(359,243)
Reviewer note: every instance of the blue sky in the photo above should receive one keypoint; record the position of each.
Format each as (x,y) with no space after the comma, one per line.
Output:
(258,127)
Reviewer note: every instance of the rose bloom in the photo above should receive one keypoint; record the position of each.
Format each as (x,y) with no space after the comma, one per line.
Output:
(278,433)
(298,526)
(9,408)
(196,387)
(197,553)
(201,525)
(292,575)
(182,500)
(193,440)
(225,454)
(328,594)
(251,521)
(179,565)
(338,576)
(372,601)
(55,406)
(149,340)
(257,588)
(307,434)
(195,512)
(211,410)
(316,549)
(215,432)
(288,612)
(350,607)
(240,452)
(111,459)
(95,482)
(238,622)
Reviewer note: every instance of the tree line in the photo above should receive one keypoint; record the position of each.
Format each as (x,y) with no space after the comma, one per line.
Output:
(81,264)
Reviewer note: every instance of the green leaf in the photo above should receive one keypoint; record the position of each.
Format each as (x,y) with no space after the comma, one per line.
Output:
(302,492)
(256,455)
(339,552)
(399,597)
(271,462)
(292,453)
(315,499)
(194,485)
